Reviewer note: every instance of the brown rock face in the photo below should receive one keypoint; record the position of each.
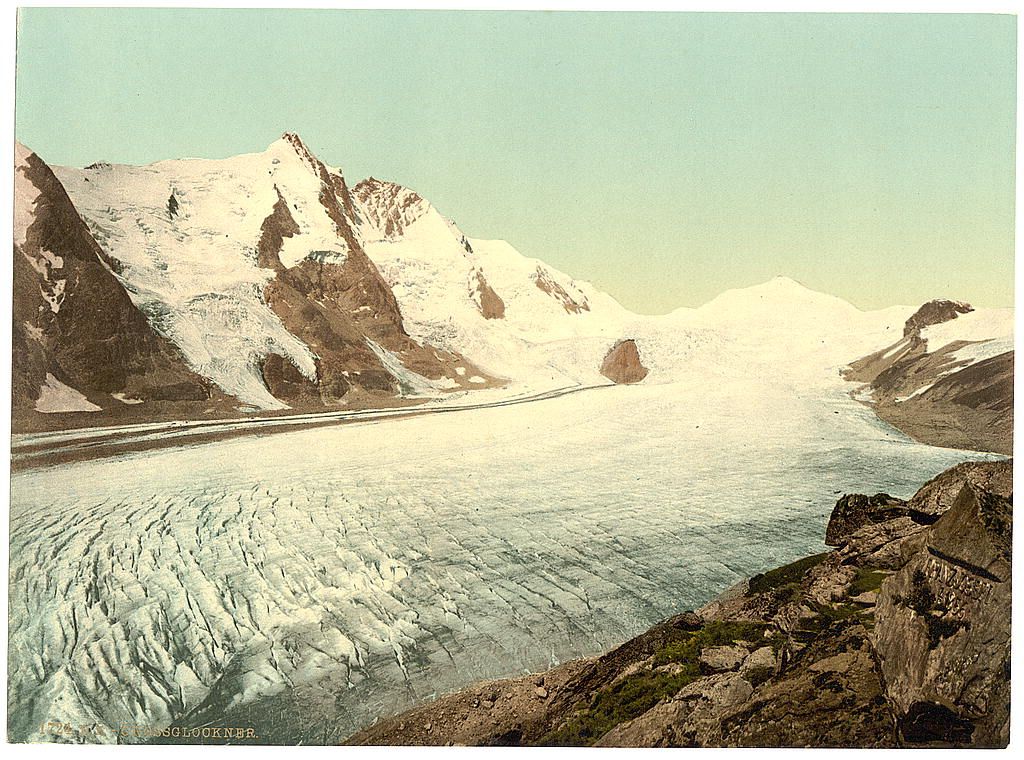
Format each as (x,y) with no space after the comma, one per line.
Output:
(934,313)
(879,530)
(938,495)
(853,511)
(546,284)
(276,227)
(491,305)
(73,318)
(932,396)
(830,696)
(971,408)
(390,207)
(943,627)
(622,363)
(335,307)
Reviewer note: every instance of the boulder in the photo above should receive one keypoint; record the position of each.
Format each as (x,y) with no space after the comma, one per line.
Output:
(622,363)
(721,659)
(937,495)
(856,510)
(760,662)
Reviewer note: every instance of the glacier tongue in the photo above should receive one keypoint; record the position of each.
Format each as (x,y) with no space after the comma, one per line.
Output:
(310,581)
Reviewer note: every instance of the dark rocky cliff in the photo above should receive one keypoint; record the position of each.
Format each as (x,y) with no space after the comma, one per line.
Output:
(75,322)
(936,397)
(335,307)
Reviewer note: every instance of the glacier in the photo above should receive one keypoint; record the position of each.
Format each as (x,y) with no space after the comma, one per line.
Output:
(305,583)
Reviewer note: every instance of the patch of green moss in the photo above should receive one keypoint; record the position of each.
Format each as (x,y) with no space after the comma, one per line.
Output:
(780,576)
(687,649)
(867,580)
(636,694)
(783,595)
(828,614)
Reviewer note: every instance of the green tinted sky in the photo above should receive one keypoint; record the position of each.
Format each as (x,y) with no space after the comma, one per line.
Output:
(665,157)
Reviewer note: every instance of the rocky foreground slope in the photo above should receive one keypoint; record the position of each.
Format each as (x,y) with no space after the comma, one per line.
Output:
(949,380)
(898,637)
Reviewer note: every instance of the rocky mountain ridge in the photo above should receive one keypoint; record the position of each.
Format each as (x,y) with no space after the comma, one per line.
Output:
(79,342)
(949,381)
(898,637)
(253,273)
(278,287)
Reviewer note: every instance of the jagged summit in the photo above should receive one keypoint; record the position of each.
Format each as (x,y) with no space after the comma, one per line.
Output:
(389,208)
(290,143)
(293,139)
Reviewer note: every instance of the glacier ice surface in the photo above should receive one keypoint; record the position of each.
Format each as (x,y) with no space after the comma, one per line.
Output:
(307,582)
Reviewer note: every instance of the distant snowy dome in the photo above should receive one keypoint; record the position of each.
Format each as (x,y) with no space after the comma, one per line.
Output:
(780,300)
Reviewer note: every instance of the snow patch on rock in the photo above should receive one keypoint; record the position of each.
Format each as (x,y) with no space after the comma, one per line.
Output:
(411,384)
(982,324)
(56,397)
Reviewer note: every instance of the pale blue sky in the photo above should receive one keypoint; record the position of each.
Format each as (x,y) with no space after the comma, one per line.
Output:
(665,157)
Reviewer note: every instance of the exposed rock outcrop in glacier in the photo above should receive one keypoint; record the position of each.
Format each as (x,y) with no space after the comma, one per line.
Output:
(622,363)
(949,380)
(933,313)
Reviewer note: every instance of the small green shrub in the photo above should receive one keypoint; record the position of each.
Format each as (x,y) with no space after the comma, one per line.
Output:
(791,573)
(638,693)
(867,580)
(687,649)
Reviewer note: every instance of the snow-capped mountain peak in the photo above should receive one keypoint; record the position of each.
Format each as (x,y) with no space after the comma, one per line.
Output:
(292,140)
(780,299)
(388,208)
(285,287)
